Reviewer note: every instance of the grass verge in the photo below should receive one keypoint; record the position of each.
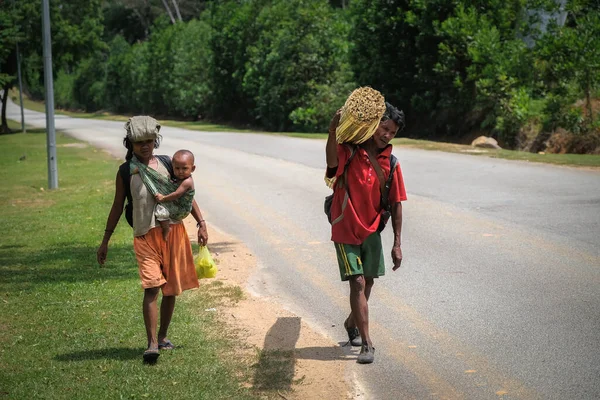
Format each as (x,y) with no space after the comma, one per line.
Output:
(578,160)
(71,329)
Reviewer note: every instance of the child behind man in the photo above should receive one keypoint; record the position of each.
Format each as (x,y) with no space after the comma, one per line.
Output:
(183,166)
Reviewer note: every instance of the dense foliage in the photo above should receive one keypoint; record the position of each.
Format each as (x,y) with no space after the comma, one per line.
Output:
(456,67)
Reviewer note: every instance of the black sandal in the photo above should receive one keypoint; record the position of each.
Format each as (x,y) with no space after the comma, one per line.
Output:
(151,355)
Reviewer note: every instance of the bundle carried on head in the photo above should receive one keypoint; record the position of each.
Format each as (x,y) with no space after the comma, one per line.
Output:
(142,127)
(360,116)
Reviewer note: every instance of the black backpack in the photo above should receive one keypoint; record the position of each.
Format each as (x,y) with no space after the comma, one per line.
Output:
(125,172)
(385,206)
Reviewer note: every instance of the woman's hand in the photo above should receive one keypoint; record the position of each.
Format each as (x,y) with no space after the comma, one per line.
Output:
(159,197)
(202,234)
(101,253)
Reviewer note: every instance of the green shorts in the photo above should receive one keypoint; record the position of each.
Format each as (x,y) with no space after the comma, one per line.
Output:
(364,259)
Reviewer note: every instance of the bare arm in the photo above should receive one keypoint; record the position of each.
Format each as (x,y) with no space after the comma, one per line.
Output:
(113,219)
(331,148)
(202,231)
(397,226)
(186,185)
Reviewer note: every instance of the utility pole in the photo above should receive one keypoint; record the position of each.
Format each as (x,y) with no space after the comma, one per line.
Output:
(50,132)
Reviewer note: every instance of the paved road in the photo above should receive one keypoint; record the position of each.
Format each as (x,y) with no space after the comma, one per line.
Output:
(499,293)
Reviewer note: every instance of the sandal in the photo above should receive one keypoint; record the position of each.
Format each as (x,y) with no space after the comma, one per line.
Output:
(166,345)
(151,355)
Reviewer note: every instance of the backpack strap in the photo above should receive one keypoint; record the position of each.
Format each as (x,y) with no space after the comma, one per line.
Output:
(166,160)
(125,172)
(378,172)
(384,184)
(388,184)
(341,182)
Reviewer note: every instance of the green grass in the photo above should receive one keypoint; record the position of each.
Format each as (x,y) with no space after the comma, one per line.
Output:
(29,104)
(72,329)
(578,160)
(104,115)
(585,160)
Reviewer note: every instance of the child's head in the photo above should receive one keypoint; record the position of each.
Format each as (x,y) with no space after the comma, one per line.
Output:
(183,164)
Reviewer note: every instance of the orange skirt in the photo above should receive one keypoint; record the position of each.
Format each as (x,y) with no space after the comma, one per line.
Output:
(166,264)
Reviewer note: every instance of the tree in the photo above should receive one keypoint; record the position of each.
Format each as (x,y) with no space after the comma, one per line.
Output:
(76,30)
(394,50)
(571,54)
(9,37)
(295,51)
(133,18)
(188,88)
(233,31)
(487,72)
(435,58)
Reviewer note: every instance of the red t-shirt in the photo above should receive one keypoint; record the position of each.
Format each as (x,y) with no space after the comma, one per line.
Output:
(362,212)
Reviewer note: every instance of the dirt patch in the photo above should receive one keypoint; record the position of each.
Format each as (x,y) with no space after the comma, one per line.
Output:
(477,151)
(563,142)
(308,365)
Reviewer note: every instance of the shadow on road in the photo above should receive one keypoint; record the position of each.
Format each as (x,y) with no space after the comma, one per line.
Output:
(276,366)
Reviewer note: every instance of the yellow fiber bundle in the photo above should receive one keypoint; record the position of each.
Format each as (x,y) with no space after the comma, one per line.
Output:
(360,116)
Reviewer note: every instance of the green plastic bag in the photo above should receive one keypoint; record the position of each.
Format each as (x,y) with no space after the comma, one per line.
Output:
(205,265)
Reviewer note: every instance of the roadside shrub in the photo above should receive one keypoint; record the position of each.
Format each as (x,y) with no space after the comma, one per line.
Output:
(563,142)
(33,76)
(496,76)
(89,86)
(117,85)
(64,85)
(158,57)
(293,56)
(233,31)
(323,102)
(572,120)
(188,86)
(136,82)
(562,112)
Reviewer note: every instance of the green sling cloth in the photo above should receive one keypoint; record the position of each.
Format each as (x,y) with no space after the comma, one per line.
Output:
(158,183)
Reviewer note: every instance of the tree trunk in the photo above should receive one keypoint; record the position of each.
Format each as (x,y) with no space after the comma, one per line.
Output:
(177,10)
(142,21)
(4,128)
(169,11)
(588,101)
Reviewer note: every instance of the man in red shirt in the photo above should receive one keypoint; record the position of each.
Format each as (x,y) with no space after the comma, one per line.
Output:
(356,212)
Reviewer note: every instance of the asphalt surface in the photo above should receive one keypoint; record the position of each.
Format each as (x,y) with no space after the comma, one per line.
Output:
(499,292)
